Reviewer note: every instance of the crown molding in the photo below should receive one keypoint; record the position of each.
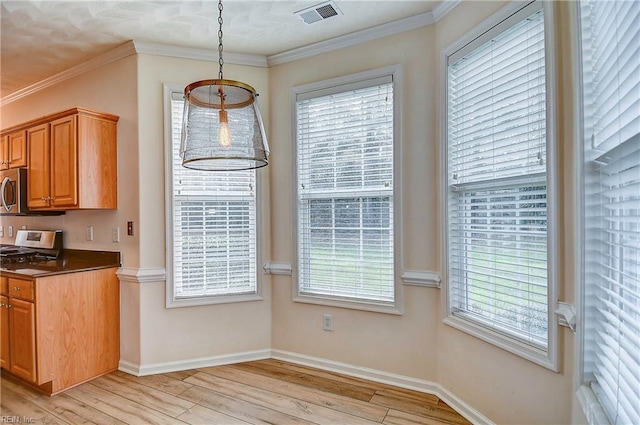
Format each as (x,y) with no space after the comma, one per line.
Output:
(199,54)
(443,8)
(117,53)
(353,39)
(369,34)
(131,48)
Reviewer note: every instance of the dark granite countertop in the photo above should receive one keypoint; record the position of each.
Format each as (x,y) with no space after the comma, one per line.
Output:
(69,261)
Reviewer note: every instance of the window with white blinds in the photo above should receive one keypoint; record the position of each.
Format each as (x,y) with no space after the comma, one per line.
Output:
(211,243)
(497,230)
(610,36)
(345,199)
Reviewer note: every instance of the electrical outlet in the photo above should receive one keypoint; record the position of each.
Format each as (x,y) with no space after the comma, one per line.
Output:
(327,322)
(115,234)
(1,231)
(10,231)
(89,233)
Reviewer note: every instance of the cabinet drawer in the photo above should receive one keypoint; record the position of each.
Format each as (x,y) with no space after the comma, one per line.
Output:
(23,289)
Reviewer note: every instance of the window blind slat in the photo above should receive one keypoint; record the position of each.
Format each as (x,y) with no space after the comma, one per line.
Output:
(345,193)
(497,223)
(610,36)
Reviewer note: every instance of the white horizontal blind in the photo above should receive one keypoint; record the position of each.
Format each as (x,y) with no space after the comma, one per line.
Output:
(345,193)
(214,227)
(611,77)
(497,183)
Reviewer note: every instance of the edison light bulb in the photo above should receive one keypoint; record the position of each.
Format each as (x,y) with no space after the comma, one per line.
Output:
(224,135)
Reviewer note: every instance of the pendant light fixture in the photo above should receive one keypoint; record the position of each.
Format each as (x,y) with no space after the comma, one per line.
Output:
(222,128)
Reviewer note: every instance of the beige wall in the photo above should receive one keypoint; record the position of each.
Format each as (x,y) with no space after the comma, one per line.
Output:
(502,386)
(111,88)
(398,344)
(179,334)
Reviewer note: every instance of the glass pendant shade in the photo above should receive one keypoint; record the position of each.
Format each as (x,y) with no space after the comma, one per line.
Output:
(222,129)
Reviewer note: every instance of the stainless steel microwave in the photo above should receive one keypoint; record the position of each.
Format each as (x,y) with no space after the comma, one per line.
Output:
(13,194)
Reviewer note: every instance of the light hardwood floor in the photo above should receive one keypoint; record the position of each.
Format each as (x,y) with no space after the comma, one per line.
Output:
(260,392)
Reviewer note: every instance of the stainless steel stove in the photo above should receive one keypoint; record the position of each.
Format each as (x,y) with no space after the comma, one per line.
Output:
(32,246)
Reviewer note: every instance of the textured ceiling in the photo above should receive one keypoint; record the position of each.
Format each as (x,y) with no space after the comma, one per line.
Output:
(42,38)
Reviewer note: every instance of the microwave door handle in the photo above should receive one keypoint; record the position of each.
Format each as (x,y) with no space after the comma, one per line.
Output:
(2,189)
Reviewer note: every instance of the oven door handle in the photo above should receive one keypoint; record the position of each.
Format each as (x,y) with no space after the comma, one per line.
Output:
(4,201)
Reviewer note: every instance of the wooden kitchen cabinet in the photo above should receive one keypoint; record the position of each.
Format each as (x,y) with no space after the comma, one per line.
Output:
(13,150)
(4,324)
(18,328)
(39,166)
(22,339)
(71,160)
(61,330)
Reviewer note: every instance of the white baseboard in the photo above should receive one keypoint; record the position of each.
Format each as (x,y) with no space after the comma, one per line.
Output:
(152,369)
(471,414)
(402,381)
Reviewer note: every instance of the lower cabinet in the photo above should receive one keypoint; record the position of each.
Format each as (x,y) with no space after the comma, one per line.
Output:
(18,329)
(60,331)
(22,339)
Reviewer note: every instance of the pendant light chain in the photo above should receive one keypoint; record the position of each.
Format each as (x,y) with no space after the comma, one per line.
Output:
(220,48)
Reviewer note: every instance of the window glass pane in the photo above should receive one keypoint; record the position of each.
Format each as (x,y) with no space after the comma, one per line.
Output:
(345,194)
(497,185)
(214,227)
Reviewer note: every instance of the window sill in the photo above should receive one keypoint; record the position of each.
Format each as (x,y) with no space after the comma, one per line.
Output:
(535,355)
(211,300)
(591,407)
(349,304)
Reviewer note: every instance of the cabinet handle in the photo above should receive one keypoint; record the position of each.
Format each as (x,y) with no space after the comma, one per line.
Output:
(16,288)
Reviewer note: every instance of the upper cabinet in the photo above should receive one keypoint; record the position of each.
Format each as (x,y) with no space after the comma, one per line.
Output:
(13,150)
(72,161)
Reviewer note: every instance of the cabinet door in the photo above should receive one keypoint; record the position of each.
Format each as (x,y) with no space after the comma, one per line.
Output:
(4,152)
(4,331)
(39,172)
(64,162)
(22,339)
(17,149)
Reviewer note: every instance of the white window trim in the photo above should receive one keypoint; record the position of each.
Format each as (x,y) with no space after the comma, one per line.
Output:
(171,302)
(551,358)
(396,307)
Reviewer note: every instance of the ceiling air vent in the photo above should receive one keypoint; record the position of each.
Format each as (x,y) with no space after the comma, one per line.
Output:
(318,12)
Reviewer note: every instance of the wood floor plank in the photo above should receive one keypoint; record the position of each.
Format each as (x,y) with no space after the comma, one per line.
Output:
(181,375)
(393,401)
(333,401)
(396,417)
(164,382)
(404,394)
(75,412)
(326,384)
(14,405)
(199,415)
(162,402)
(119,407)
(291,406)
(350,380)
(239,409)
(49,420)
